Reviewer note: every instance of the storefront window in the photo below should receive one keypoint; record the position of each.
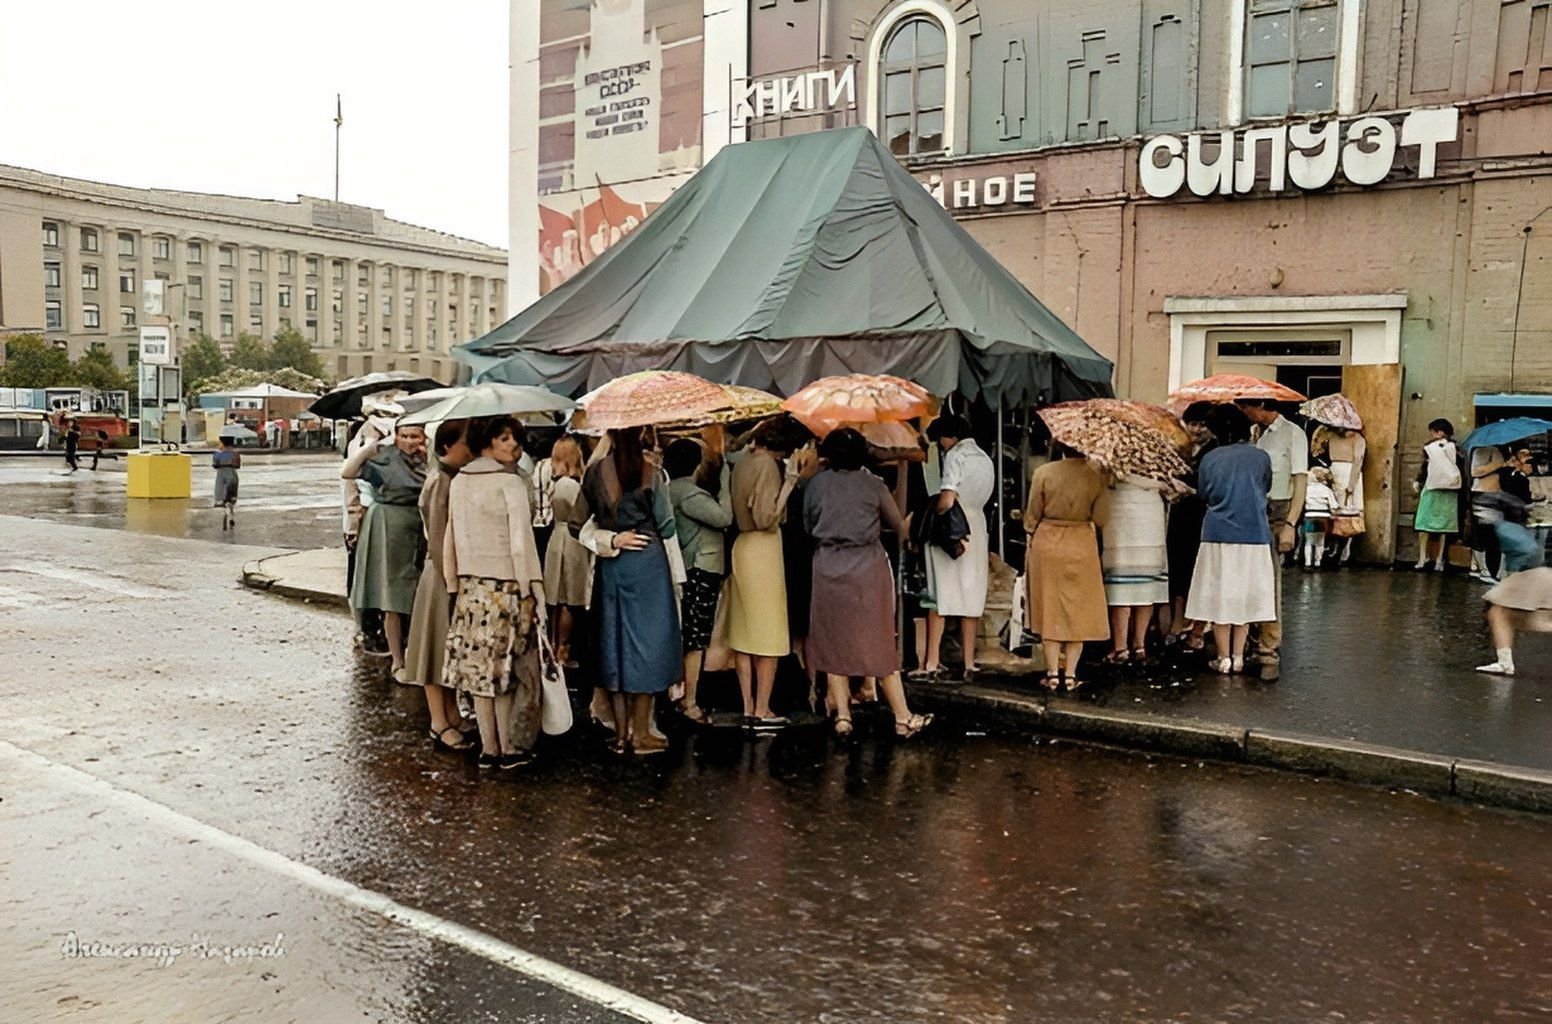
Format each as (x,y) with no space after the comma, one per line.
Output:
(913,68)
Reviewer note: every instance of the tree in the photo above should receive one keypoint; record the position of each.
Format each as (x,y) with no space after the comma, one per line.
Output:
(250,353)
(236,380)
(96,369)
(291,351)
(31,362)
(201,359)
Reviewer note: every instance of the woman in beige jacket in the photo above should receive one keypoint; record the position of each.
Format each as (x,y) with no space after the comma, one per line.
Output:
(489,557)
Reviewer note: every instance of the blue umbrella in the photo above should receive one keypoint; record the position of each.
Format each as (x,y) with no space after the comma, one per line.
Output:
(1506,432)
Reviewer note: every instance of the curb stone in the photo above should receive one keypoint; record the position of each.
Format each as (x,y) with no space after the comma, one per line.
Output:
(1351,760)
(1525,789)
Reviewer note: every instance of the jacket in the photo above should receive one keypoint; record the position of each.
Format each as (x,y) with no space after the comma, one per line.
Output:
(700,520)
(490,528)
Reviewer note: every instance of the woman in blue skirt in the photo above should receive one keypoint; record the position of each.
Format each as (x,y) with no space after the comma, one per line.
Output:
(635,618)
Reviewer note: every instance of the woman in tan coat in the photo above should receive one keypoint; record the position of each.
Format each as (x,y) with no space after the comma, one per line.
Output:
(1062,571)
(490,558)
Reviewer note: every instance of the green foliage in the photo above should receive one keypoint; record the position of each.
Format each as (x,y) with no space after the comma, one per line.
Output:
(96,369)
(31,362)
(236,380)
(201,358)
(292,350)
(250,353)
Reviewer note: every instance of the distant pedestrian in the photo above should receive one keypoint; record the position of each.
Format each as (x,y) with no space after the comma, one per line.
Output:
(1235,580)
(1066,587)
(1345,451)
(102,442)
(72,443)
(1320,504)
(226,461)
(1522,603)
(958,582)
(1438,502)
(1485,463)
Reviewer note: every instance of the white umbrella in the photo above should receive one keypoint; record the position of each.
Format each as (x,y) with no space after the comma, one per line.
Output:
(491,399)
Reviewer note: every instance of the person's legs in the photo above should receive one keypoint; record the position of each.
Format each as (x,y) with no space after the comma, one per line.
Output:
(1239,638)
(622,724)
(1120,620)
(969,629)
(393,629)
(437,706)
(934,642)
(692,678)
(485,715)
(765,683)
(1423,539)
(1052,649)
(1142,618)
(1501,625)
(906,723)
(502,706)
(744,665)
(839,690)
(563,625)
(1270,637)
(1072,653)
(1223,647)
(643,740)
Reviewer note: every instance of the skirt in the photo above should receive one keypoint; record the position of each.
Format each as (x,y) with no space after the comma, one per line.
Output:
(698,608)
(958,585)
(387,559)
(1438,511)
(1233,585)
(1135,562)
(852,615)
(1065,583)
(427,647)
(567,568)
(493,640)
(1528,591)
(636,622)
(226,486)
(757,597)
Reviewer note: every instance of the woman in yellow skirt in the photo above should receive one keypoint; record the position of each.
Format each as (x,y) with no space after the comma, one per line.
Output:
(757,590)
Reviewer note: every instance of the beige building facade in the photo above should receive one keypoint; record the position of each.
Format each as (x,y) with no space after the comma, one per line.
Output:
(368,292)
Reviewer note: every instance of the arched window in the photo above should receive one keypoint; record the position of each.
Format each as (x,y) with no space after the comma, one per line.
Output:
(914,79)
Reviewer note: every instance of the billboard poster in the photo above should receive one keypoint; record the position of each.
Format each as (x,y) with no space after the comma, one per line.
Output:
(620,122)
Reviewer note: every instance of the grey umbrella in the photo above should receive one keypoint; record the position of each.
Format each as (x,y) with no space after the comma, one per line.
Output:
(491,400)
(344,401)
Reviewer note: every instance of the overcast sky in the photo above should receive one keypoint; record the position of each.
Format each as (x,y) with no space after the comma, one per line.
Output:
(238,98)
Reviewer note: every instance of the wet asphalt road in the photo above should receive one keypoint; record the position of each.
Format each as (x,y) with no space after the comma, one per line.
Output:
(962,878)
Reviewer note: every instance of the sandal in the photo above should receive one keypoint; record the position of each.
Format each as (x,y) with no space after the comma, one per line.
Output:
(1074,683)
(911,726)
(843,728)
(458,746)
(693,713)
(1051,681)
(1118,657)
(1223,666)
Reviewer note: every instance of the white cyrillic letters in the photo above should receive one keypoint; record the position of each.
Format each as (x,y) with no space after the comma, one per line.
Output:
(964,193)
(1370,150)
(1312,156)
(1245,169)
(1162,180)
(1218,176)
(1024,187)
(1426,129)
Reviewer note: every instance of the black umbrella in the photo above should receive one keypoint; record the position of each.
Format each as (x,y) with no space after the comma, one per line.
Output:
(344,401)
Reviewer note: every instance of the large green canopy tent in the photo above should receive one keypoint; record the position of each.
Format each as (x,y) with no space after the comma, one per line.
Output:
(789,259)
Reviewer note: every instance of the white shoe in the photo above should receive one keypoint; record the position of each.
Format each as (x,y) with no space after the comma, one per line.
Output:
(1438,566)
(1497,668)
(1420,566)
(1484,577)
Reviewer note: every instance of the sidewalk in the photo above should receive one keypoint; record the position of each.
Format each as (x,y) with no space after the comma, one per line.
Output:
(1378,686)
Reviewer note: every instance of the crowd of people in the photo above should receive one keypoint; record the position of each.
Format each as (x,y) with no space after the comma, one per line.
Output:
(650,561)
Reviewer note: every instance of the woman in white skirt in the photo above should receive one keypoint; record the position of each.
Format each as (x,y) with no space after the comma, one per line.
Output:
(1135,564)
(1234,583)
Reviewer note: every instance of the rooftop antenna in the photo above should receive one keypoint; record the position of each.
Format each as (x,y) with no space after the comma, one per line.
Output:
(339,122)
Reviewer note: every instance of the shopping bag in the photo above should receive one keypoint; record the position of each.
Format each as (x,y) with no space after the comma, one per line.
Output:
(554,699)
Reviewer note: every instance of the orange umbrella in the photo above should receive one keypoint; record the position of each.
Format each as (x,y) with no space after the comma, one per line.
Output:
(1123,448)
(831,402)
(1143,414)
(652,397)
(1229,387)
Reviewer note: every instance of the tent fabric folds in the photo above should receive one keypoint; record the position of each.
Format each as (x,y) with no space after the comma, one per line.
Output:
(790,259)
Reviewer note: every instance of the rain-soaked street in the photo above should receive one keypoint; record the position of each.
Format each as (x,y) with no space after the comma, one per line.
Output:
(185,761)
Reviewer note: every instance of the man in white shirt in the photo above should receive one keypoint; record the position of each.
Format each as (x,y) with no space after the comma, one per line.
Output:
(1288,447)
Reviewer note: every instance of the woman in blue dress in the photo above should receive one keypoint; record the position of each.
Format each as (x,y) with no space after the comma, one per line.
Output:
(226,462)
(635,618)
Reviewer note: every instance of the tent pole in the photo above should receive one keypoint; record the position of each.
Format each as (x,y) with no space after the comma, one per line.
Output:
(1002,547)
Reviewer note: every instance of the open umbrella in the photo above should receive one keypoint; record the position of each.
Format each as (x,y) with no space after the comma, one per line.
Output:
(831,402)
(1506,432)
(490,399)
(1121,447)
(651,398)
(237,432)
(1229,387)
(1143,414)
(343,402)
(1334,411)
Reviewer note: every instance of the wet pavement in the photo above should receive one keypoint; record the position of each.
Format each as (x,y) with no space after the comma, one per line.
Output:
(958,878)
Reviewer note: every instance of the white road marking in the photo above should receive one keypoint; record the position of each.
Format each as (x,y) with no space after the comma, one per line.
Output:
(94,580)
(599,993)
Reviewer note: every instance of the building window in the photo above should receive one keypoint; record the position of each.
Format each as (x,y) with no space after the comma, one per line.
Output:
(127,282)
(914,82)
(255,293)
(409,277)
(310,300)
(312,266)
(196,287)
(89,240)
(51,275)
(226,325)
(126,244)
(53,316)
(225,290)
(196,253)
(286,263)
(283,296)
(387,305)
(197,322)
(1290,56)
(255,259)
(409,305)
(50,233)
(256,321)
(363,275)
(91,316)
(89,278)
(361,302)
(312,331)
(228,256)
(126,316)
(339,303)
(161,248)
(339,270)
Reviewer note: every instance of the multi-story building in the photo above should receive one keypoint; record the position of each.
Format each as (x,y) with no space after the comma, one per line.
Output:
(1351,194)
(369,293)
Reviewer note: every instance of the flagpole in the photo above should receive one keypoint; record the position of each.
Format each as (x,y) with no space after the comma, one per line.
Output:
(339,122)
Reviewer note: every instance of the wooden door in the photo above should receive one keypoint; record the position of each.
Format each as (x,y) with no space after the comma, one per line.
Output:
(1376,392)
